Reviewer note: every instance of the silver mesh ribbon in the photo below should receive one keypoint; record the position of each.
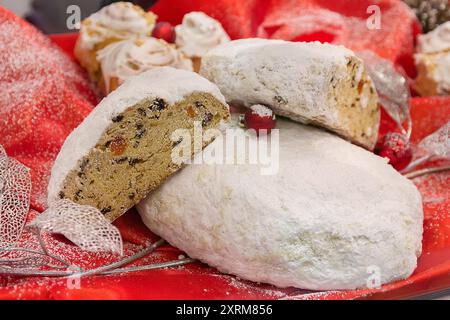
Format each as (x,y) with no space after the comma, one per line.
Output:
(15,190)
(392,87)
(436,145)
(84,225)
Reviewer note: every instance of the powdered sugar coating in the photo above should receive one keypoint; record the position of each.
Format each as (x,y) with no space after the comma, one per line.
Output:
(292,78)
(166,83)
(261,110)
(333,211)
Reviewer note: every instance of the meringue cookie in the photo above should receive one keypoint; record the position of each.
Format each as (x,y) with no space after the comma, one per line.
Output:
(433,70)
(433,62)
(436,40)
(127,58)
(120,20)
(442,72)
(198,33)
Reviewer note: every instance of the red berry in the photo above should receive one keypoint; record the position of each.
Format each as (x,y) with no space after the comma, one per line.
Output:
(396,148)
(259,117)
(165,31)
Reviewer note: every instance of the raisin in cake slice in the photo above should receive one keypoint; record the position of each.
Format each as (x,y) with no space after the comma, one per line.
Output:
(313,83)
(122,150)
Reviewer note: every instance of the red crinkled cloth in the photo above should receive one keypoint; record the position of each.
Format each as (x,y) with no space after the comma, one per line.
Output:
(44,95)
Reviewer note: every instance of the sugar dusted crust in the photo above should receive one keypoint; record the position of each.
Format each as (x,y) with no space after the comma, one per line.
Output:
(175,89)
(313,83)
(331,216)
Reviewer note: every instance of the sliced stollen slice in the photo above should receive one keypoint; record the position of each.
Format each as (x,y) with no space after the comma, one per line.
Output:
(123,149)
(334,216)
(313,83)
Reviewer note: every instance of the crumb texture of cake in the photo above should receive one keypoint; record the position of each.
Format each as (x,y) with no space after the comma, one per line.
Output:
(333,217)
(127,58)
(433,62)
(115,22)
(123,149)
(313,83)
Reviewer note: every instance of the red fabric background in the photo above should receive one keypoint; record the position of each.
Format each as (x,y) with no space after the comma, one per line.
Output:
(44,95)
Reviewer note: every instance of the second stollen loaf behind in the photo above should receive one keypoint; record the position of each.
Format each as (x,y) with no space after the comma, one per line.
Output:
(314,83)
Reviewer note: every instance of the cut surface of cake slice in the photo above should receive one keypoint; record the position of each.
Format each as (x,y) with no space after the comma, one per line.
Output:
(314,83)
(123,149)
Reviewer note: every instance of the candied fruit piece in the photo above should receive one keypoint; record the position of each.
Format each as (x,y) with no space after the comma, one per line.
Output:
(118,146)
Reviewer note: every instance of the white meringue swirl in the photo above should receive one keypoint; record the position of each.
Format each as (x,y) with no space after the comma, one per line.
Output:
(127,58)
(120,20)
(198,33)
(441,73)
(436,40)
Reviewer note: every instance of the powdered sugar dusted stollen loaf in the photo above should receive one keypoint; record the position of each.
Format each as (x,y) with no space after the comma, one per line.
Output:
(332,216)
(315,83)
(123,149)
